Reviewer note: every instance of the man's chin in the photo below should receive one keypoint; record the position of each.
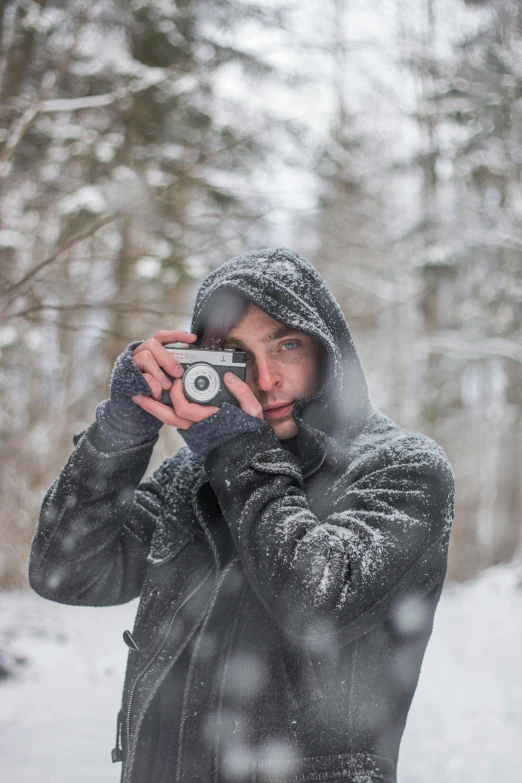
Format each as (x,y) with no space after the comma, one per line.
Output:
(284,429)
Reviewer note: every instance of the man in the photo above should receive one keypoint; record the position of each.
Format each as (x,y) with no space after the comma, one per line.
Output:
(289,561)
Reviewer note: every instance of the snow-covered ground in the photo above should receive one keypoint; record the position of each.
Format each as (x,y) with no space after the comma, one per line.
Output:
(58,716)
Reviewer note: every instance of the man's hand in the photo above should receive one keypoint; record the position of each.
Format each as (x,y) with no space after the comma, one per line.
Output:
(151,356)
(244,395)
(185,414)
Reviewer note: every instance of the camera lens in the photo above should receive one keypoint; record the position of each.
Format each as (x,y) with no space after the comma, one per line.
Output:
(201,383)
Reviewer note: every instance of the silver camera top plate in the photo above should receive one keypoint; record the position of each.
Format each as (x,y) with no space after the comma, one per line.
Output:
(188,356)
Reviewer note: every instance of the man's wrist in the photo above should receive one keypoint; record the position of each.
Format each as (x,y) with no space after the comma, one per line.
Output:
(223,425)
(122,431)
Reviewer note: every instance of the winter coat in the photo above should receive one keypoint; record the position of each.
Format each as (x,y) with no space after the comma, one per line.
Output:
(301,588)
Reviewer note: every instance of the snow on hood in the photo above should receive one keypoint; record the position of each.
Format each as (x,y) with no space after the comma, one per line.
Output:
(287,287)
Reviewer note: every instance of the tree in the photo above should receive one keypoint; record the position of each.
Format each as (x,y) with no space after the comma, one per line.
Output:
(120,167)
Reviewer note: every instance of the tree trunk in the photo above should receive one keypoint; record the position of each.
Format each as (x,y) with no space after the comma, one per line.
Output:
(18,54)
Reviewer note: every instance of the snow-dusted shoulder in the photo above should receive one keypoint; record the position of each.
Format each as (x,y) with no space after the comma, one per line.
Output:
(384,531)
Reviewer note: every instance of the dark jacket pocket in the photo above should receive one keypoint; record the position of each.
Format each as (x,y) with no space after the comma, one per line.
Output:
(338,768)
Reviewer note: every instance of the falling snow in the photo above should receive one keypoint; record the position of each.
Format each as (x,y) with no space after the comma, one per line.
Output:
(470,690)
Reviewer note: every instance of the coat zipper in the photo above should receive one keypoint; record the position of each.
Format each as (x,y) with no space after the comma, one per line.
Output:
(131,750)
(117,754)
(208,612)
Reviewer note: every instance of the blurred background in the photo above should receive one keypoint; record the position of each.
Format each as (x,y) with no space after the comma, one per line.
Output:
(144,142)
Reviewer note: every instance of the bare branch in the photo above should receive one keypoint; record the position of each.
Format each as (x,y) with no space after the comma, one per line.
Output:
(453,344)
(107,99)
(98,330)
(82,328)
(120,307)
(104,221)
(49,82)
(114,216)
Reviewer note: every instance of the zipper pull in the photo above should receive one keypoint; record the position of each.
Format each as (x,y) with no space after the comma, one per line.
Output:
(130,641)
(117,753)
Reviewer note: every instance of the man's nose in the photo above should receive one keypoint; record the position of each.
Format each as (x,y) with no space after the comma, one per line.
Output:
(266,375)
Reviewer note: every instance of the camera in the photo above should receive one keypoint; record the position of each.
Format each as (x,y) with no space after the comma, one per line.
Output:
(204,371)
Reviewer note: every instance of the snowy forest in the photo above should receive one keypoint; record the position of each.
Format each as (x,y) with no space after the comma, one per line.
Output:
(144,142)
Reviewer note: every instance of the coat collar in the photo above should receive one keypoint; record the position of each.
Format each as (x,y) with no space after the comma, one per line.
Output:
(314,448)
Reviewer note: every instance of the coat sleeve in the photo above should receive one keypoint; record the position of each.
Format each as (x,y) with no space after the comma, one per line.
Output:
(95,526)
(328,580)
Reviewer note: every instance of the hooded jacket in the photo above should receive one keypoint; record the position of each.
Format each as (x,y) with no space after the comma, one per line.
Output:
(299,586)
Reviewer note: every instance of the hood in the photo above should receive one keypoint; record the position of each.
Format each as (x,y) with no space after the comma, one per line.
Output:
(287,287)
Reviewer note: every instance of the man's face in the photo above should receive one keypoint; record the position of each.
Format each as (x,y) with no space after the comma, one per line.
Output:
(282,366)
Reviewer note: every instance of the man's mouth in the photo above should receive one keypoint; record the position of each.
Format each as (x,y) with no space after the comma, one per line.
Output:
(278,413)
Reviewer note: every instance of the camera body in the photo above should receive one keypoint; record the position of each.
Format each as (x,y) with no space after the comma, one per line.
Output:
(204,372)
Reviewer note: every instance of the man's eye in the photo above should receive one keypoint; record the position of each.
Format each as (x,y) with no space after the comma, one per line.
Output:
(290,342)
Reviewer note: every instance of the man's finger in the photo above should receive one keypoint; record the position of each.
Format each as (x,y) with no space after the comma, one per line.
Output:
(162,412)
(169,336)
(189,410)
(244,395)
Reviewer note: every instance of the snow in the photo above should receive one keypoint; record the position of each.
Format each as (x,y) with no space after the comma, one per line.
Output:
(58,716)
(88,198)
(147,268)
(33,338)
(11,239)
(8,335)
(466,718)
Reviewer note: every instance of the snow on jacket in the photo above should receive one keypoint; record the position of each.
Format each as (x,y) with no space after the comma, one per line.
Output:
(302,586)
